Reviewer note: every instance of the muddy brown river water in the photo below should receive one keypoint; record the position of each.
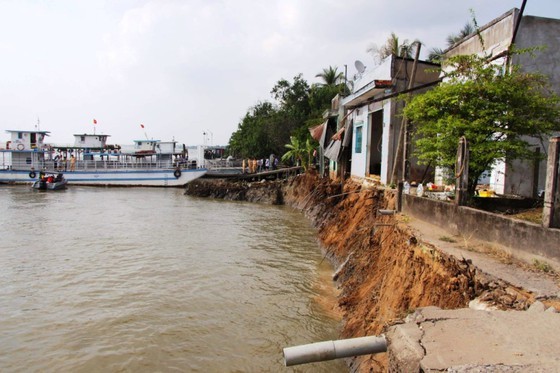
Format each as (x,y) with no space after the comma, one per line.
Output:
(145,280)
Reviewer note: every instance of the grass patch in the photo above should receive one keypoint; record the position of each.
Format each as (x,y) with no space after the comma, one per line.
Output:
(542,266)
(447,239)
(533,215)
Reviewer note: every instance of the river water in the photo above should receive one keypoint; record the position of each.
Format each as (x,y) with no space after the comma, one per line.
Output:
(151,280)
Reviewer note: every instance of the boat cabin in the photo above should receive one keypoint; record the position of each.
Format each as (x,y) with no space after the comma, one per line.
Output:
(165,152)
(90,144)
(26,150)
(145,147)
(26,140)
(90,141)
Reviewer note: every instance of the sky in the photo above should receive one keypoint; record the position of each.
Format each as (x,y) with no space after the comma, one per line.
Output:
(190,70)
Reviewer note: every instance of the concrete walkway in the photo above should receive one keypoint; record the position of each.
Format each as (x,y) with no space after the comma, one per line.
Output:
(469,340)
(507,269)
(465,340)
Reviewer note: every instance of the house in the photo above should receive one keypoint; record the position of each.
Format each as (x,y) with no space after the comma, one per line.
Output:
(370,119)
(493,41)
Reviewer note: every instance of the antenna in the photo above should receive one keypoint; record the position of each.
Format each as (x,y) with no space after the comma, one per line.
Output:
(360,66)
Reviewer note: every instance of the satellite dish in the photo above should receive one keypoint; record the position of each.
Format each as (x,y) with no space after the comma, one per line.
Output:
(360,66)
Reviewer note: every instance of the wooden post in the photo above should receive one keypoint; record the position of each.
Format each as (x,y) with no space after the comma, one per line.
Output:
(399,203)
(551,212)
(462,173)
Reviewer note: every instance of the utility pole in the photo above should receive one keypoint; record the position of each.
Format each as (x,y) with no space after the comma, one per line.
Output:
(403,133)
(551,212)
(462,173)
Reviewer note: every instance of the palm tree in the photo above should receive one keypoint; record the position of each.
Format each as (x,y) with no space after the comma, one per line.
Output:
(436,54)
(300,151)
(467,29)
(331,76)
(393,46)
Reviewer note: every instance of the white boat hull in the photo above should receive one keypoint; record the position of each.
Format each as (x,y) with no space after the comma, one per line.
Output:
(131,177)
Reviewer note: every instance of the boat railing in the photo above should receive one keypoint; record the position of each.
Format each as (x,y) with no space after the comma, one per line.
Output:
(97,164)
(221,164)
(27,164)
(105,165)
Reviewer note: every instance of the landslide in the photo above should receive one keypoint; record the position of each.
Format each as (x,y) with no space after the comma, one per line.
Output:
(384,272)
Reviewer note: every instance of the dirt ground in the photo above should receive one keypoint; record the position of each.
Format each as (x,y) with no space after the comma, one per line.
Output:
(385,270)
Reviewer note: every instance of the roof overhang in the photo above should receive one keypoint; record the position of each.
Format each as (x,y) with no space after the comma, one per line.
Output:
(375,88)
(46,133)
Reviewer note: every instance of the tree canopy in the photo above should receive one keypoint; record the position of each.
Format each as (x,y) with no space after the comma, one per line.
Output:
(300,152)
(436,54)
(331,76)
(496,110)
(393,46)
(268,127)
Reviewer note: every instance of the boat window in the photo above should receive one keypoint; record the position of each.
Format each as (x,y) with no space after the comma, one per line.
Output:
(20,135)
(82,138)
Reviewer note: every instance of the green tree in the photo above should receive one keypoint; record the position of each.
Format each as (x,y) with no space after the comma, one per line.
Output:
(393,46)
(251,138)
(467,29)
(295,109)
(267,127)
(300,151)
(331,77)
(436,54)
(292,97)
(495,110)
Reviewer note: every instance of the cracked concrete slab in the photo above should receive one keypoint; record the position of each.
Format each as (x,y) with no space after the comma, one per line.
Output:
(466,340)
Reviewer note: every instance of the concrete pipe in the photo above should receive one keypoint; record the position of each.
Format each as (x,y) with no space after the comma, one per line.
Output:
(330,350)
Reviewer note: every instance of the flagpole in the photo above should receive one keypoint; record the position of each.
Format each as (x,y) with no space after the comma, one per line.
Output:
(145,134)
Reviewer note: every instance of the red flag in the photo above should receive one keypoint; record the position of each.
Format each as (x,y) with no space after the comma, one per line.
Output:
(94,121)
(142,125)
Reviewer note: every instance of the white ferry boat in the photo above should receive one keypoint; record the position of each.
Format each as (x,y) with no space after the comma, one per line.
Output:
(91,161)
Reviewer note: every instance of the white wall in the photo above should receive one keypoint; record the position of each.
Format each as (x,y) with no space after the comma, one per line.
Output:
(387,146)
(361,118)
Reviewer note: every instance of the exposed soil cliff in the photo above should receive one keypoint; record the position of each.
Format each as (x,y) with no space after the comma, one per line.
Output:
(269,192)
(384,272)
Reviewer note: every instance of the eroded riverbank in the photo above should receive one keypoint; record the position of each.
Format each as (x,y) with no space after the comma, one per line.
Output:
(384,272)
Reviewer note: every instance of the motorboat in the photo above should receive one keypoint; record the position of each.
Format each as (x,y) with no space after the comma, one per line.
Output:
(50,182)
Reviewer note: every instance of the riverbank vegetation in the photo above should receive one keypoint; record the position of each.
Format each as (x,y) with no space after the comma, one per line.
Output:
(269,125)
